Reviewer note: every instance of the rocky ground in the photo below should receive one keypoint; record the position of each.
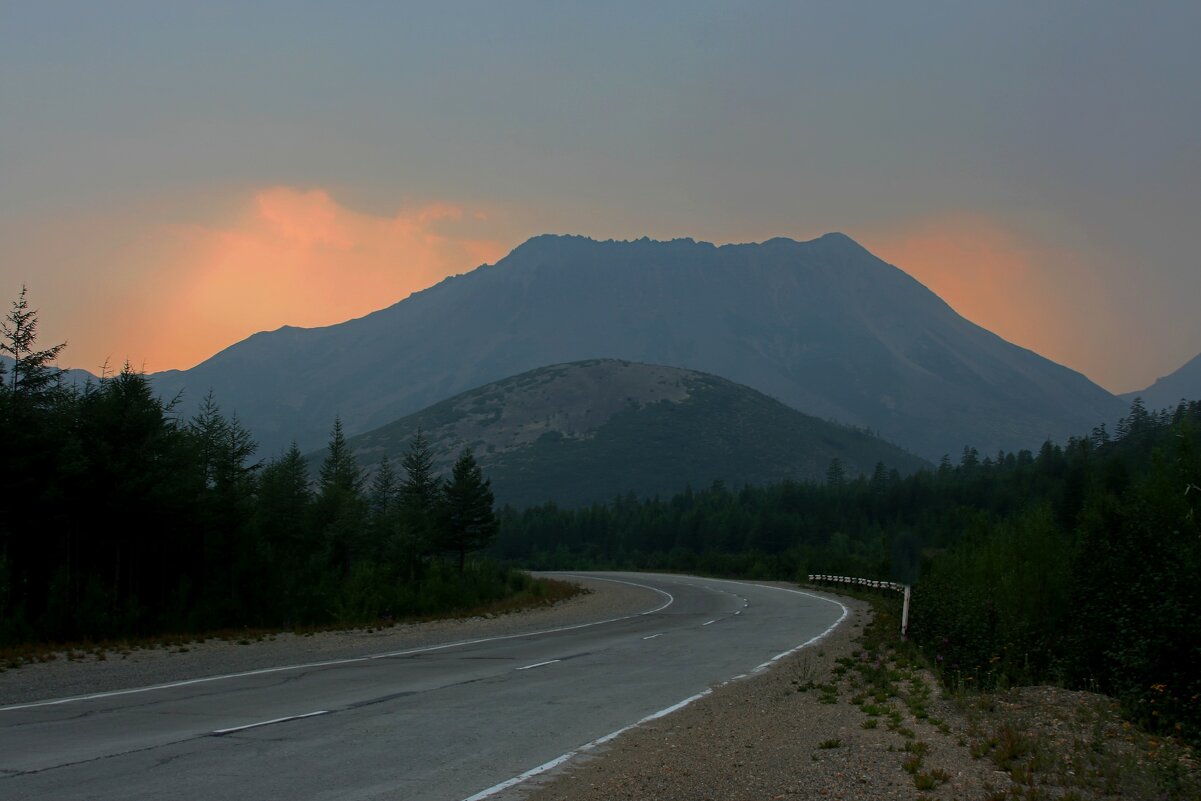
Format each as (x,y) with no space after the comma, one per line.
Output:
(851,717)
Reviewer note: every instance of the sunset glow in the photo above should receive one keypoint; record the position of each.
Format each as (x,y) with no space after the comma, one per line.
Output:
(171,183)
(1039,297)
(290,257)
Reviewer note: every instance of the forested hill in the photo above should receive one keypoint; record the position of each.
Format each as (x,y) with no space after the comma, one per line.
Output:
(824,326)
(589,431)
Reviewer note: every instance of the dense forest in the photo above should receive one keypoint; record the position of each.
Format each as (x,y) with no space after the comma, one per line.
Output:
(118,518)
(1075,565)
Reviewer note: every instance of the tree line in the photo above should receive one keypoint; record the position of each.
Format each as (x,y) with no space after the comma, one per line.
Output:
(118,517)
(1075,564)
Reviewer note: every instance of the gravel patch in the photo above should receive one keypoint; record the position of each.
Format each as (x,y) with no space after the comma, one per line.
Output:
(80,674)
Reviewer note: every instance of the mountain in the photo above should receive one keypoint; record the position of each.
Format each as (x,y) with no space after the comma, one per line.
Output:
(71,377)
(824,326)
(1184,384)
(589,431)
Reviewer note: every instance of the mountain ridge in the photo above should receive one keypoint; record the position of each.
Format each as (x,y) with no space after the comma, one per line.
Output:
(822,325)
(1184,383)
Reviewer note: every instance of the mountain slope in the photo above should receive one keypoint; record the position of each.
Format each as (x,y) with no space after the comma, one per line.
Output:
(71,377)
(1184,384)
(824,326)
(588,431)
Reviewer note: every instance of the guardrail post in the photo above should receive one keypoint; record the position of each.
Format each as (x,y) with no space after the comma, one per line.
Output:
(905,614)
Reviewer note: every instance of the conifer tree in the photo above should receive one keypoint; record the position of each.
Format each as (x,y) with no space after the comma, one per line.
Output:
(469,522)
(31,373)
(420,495)
(340,470)
(836,474)
(384,488)
(340,510)
(384,525)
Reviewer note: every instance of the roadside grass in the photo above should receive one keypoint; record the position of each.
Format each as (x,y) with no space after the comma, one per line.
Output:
(542,592)
(1046,742)
(1079,750)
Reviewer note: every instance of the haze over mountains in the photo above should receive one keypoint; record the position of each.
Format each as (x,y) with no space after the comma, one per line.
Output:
(824,326)
(588,431)
(1183,384)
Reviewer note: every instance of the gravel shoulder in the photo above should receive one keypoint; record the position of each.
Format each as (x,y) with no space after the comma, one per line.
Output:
(839,721)
(79,673)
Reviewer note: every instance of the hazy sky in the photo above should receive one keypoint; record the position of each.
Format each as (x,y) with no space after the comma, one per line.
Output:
(175,177)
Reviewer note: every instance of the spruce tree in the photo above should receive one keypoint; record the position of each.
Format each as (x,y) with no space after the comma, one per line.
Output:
(384,488)
(420,496)
(340,509)
(31,374)
(340,470)
(469,522)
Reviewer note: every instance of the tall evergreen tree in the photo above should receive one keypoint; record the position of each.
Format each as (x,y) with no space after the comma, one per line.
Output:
(836,474)
(31,371)
(284,498)
(420,496)
(340,470)
(384,488)
(420,488)
(340,511)
(469,522)
(384,525)
(225,500)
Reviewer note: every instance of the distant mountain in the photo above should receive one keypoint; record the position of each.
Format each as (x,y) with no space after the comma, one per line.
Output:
(70,376)
(1184,384)
(592,430)
(824,326)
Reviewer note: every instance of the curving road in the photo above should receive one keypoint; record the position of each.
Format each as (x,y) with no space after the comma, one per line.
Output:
(449,722)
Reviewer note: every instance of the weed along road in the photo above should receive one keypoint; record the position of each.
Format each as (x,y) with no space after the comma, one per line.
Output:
(448,722)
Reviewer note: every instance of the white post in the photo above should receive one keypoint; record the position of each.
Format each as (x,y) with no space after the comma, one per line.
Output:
(905,614)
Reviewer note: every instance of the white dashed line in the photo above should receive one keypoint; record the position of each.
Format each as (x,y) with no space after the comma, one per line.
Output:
(233,729)
(653,636)
(540,664)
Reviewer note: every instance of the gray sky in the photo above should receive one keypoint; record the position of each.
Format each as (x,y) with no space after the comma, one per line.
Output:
(1037,164)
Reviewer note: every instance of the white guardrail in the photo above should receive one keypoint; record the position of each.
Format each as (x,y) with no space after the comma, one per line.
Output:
(871,584)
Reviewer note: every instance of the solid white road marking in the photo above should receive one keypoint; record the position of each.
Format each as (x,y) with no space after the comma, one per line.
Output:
(263,671)
(554,763)
(539,664)
(233,729)
(559,760)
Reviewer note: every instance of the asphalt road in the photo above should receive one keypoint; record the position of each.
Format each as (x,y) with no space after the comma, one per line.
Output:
(446,723)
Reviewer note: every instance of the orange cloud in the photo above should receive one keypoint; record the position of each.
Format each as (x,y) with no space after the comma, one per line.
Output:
(1043,297)
(286,257)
